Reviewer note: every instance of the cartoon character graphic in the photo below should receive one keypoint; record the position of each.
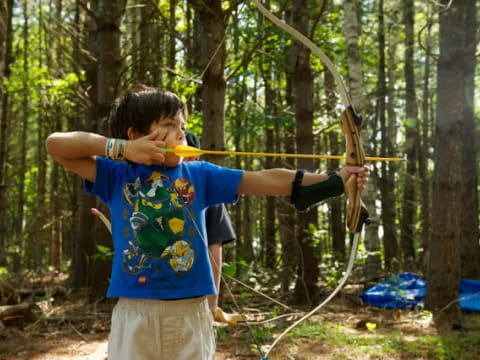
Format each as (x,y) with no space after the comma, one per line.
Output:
(158,223)
(181,256)
(185,190)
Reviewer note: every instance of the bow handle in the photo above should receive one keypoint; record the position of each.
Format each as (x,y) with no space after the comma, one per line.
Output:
(357,213)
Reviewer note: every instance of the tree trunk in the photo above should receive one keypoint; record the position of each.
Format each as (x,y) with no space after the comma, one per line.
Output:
(55,243)
(286,212)
(390,238)
(270,113)
(351,28)
(171,44)
(270,213)
(83,246)
(75,121)
(212,21)
(385,181)
(56,236)
(6,12)
(22,166)
(423,153)
(238,100)
(470,251)
(305,288)
(444,258)
(336,219)
(247,253)
(109,15)
(38,242)
(3,39)
(408,211)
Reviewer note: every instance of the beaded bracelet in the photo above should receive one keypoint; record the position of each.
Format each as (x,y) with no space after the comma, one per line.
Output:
(116,149)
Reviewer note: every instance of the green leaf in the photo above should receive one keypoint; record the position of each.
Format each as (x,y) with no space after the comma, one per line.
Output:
(3,272)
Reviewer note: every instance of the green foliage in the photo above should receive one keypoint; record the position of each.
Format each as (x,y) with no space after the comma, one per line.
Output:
(316,236)
(261,334)
(234,268)
(461,347)
(362,254)
(332,269)
(378,342)
(103,253)
(308,329)
(3,273)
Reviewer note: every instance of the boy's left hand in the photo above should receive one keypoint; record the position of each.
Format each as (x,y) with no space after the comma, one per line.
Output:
(212,304)
(361,172)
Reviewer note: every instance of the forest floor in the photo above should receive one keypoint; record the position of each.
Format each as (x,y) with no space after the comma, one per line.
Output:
(71,328)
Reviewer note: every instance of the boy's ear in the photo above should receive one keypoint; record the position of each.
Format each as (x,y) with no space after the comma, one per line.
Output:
(132,134)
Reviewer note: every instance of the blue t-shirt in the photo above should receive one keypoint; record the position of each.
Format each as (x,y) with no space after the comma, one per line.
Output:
(158,225)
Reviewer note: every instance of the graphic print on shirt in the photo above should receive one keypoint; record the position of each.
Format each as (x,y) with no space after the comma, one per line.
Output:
(158,224)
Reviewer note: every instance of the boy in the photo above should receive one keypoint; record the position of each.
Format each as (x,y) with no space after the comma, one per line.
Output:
(161,271)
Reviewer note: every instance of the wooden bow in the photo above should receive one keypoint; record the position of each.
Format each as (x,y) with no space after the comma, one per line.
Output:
(349,120)
(350,123)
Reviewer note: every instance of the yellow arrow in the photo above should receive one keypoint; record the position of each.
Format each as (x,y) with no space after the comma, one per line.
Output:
(190,151)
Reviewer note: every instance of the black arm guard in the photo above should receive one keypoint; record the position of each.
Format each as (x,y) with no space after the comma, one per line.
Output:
(303,197)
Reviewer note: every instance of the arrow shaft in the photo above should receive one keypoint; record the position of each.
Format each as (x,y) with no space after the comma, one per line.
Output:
(285,155)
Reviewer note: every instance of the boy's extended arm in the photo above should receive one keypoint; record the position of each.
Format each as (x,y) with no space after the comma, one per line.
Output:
(274,182)
(278,182)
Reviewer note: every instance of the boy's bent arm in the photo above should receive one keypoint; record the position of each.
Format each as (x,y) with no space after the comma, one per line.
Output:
(76,151)
(275,182)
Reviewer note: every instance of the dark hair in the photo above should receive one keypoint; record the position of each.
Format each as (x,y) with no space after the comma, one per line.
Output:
(140,107)
(192,139)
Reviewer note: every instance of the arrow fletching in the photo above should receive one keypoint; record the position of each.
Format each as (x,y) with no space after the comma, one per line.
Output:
(185,151)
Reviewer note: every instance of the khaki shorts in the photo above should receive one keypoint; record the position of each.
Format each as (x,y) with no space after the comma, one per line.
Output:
(161,330)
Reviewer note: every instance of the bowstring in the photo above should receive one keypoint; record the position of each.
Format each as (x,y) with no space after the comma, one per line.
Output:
(340,285)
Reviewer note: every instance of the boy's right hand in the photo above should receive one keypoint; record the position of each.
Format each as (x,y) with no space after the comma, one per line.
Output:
(147,150)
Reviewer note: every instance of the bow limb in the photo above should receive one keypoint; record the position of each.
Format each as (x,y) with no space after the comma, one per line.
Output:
(347,100)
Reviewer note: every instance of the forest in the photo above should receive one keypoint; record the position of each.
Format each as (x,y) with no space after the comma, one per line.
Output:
(410,70)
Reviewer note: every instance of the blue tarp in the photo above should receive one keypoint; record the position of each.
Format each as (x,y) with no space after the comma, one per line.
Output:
(407,290)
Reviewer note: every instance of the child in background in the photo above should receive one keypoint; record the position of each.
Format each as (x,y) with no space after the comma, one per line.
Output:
(219,232)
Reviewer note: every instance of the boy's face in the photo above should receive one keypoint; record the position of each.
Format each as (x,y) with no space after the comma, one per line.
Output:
(172,131)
